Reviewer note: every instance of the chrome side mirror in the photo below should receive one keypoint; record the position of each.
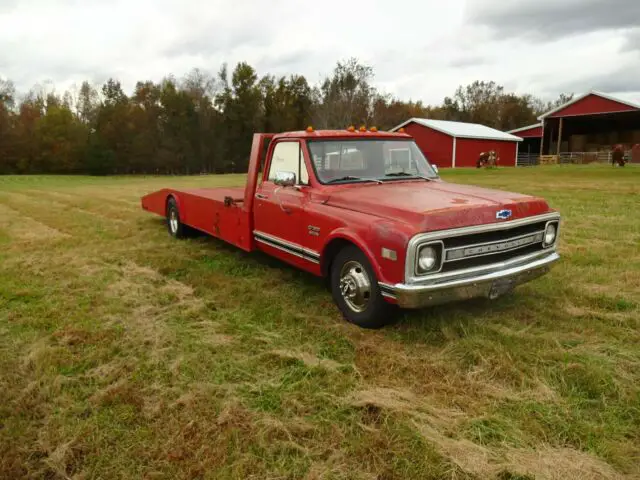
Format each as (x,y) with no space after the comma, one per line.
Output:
(285,179)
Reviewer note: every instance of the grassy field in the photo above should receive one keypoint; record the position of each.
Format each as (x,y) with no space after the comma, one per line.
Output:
(126,354)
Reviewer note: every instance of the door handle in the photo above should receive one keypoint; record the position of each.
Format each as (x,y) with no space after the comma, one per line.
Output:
(262,196)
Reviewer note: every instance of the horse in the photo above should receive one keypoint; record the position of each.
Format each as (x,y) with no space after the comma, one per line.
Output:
(617,156)
(487,159)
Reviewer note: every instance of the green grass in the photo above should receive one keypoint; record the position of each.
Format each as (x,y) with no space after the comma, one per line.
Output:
(126,354)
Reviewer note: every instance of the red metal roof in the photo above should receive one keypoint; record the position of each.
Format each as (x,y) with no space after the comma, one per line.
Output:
(592,103)
(461,129)
(530,131)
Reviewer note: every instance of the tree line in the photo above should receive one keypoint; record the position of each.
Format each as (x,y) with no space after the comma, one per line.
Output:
(204,123)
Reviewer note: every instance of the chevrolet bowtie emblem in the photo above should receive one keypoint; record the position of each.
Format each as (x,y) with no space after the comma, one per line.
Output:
(503,214)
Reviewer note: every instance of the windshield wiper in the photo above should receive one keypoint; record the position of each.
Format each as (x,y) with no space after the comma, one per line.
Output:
(351,177)
(405,174)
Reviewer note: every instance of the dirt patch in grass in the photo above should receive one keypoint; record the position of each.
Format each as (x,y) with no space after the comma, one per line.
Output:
(152,299)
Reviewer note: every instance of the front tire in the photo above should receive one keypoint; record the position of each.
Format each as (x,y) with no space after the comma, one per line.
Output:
(175,227)
(355,290)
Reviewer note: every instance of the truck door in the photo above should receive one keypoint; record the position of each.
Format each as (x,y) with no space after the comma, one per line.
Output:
(279,222)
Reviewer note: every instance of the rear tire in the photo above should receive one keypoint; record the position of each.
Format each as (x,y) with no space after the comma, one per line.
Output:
(175,227)
(355,290)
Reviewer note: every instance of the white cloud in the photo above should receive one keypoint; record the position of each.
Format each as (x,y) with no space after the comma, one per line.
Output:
(420,49)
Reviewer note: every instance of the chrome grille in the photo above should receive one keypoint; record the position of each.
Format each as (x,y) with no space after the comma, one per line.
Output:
(480,249)
(482,246)
(495,235)
(489,247)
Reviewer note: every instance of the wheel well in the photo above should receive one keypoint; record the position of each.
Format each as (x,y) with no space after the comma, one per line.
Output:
(166,204)
(330,251)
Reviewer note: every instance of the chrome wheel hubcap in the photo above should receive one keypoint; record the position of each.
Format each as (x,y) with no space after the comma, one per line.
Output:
(173,220)
(355,286)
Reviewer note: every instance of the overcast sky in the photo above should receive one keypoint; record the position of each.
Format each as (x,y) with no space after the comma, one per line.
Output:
(419,49)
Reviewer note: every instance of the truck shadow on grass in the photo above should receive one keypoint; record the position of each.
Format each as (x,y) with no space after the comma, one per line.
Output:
(434,325)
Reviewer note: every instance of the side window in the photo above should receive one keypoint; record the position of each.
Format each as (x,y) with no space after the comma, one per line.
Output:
(287,157)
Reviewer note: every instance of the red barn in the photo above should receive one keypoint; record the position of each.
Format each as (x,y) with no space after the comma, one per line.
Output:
(529,149)
(584,130)
(458,144)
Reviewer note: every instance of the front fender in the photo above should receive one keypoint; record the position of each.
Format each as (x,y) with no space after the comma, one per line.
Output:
(386,270)
(352,237)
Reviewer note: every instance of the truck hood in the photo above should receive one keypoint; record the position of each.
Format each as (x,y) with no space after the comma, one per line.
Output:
(435,205)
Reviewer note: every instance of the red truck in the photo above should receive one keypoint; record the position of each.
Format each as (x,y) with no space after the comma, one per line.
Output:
(367,211)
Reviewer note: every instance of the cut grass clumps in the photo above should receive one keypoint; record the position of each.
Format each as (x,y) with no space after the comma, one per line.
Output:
(586,378)
(126,354)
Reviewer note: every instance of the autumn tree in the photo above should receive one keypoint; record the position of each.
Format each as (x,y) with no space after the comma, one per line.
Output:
(286,103)
(346,97)
(476,103)
(8,147)
(87,103)
(60,139)
(108,149)
(145,113)
(178,127)
(242,115)
(201,88)
(205,123)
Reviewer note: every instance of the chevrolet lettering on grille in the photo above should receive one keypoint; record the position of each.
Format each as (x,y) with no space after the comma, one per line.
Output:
(490,248)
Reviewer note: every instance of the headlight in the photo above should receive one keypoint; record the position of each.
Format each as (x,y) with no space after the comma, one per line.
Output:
(550,234)
(427,259)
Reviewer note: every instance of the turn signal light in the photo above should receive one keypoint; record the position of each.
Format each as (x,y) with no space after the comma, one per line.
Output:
(363,128)
(373,129)
(401,130)
(351,128)
(309,129)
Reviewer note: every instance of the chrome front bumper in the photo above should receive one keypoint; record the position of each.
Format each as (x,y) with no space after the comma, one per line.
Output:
(490,281)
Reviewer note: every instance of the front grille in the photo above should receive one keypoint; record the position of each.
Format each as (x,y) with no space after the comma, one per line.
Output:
(488,259)
(476,250)
(481,248)
(495,235)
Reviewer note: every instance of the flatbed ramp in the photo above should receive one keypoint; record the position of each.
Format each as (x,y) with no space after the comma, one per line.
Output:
(216,211)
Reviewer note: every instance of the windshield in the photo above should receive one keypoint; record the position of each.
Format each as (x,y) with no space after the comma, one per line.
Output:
(350,161)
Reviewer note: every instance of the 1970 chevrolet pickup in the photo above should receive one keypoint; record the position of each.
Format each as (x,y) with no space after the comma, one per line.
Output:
(367,211)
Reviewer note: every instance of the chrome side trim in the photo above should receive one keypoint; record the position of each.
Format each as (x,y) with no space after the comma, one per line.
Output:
(288,247)
(417,240)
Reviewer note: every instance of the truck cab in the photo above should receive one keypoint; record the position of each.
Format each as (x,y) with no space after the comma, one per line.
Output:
(367,211)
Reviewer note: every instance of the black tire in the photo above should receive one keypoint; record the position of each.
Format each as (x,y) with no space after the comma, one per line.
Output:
(366,310)
(176,229)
